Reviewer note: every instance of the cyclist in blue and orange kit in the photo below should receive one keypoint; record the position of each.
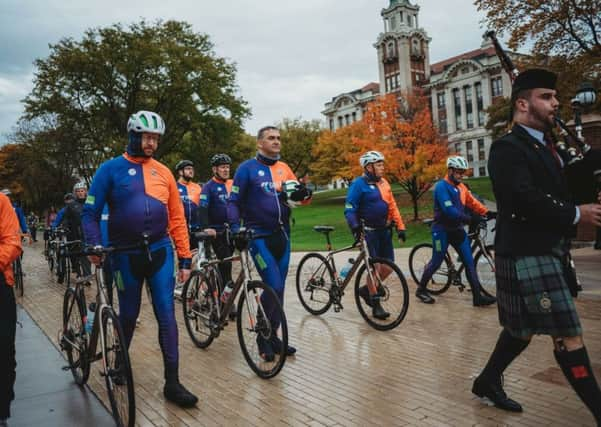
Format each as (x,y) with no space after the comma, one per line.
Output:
(18,211)
(142,198)
(258,199)
(370,199)
(189,192)
(213,213)
(452,200)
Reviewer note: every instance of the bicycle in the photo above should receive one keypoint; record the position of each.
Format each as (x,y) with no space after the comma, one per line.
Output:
(206,309)
(449,272)
(80,346)
(51,248)
(319,286)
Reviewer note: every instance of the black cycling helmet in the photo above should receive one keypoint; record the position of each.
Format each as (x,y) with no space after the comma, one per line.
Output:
(68,196)
(221,159)
(182,164)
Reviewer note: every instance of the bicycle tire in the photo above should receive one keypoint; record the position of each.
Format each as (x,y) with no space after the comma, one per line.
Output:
(199,308)
(50,258)
(395,298)
(118,376)
(418,259)
(486,272)
(61,267)
(18,273)
(252,326)
(74,321)
(314,292)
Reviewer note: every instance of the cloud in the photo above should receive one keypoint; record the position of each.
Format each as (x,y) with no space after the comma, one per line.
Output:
(13,88)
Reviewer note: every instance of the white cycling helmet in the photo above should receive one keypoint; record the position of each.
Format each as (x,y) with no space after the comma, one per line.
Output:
(457,162)
(6,192)
(371,157)
(80,185)
(146,121)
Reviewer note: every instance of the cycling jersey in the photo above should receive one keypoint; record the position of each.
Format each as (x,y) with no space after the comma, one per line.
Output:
(372,202)
(21,218)
(256,195)
(10,239)
(143,198)
(189,193)
(213,203)
(451,202)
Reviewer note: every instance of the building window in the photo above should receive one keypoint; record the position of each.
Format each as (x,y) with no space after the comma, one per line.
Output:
(457,148)
(482,171)
(331,124)
(457,104)
(340,122)
(390,51)
(440,96)
(479,103)
(346,119)
(442,125)
(468,151)
(396,80)
(354,116)
(496,86)
(481,150)
(467,92)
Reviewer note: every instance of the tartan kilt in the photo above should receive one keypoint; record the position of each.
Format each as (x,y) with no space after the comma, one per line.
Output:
(533,297)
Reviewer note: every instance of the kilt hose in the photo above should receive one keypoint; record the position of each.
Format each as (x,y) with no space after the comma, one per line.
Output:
(533,297)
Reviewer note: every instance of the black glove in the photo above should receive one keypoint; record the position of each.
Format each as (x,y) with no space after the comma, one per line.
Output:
(476,220)
(491,215)
(301,193)
(357,232)
(402,234)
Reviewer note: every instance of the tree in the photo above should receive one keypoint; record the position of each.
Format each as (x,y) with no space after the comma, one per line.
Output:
(402,131)
(405,134)
(298,138)
(90,87)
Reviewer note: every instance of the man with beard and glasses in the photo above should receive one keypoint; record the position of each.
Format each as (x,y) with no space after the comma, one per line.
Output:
(536,219)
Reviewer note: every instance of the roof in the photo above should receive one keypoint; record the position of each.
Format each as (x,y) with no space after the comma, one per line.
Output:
(373,86)
(439,67)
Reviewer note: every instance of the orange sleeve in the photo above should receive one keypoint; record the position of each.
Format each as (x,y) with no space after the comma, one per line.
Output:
(10,238)
(393,209)
(178,230)
(473,204)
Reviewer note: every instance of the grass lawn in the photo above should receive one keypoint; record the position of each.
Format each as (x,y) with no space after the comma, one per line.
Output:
(327,208)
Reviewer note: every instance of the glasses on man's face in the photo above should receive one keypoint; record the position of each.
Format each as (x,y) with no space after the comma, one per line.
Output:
(460,172)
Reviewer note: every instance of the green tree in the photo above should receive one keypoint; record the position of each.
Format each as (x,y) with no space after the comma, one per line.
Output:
(298,138)
(90,87)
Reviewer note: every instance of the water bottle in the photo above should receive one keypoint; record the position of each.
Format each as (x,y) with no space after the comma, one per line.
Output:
(90,317)
(347,267)
(226,292)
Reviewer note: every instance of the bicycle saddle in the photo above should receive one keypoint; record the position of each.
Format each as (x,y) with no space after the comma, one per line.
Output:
(323,228)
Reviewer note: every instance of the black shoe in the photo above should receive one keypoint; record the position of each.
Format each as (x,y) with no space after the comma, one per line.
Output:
(378,311)
(177,393)
(483,299)
(364,294)
(493,390)
(265,349)
(424,296)
(276,345)
(233,312)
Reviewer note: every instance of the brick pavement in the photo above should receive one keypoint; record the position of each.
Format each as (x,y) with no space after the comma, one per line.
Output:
(345,372)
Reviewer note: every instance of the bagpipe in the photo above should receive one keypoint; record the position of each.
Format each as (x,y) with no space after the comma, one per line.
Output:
(582,163)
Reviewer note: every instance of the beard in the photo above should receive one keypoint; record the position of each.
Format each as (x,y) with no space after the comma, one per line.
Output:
(544,120)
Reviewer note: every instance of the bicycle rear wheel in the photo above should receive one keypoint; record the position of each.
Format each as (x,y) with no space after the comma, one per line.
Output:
(419,258)
(18,272)
(393,294)
(199,302)
(255,329)
(118,375)
(74,340)
(314,279)
(485,268)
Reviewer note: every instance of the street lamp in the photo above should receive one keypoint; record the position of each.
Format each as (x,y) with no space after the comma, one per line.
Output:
(585,97)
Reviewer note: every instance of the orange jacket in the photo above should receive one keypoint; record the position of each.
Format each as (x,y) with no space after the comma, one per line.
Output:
(10,239)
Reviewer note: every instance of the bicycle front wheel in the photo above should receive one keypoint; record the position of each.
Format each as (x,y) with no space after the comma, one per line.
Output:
(199,302)
(118,375)
(74,340)
(314,279)
(258,330)
(50,257)
(419,258)
(485,268)
(392,294)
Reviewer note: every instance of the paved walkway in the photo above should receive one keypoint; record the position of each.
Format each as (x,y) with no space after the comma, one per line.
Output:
(45,395)
(346,373)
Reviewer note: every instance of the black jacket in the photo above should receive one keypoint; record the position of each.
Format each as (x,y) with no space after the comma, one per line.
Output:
(72,219)
(534,206)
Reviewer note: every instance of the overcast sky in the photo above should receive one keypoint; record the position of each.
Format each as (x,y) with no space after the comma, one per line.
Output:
(292,56)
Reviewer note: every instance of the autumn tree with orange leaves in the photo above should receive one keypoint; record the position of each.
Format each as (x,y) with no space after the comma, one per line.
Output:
(402,131)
